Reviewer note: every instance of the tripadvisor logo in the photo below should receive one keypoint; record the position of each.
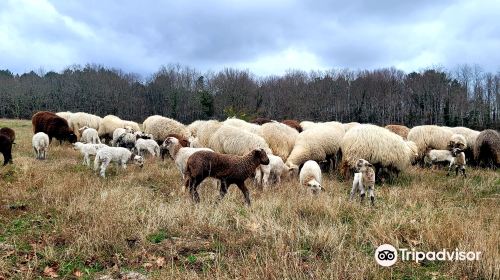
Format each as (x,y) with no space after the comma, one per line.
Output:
(387,255)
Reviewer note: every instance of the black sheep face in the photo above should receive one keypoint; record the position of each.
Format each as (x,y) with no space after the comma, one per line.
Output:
(71,138)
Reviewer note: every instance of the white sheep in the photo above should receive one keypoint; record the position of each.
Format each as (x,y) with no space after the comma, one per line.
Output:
(250,127)
(40,142)
(204,133)
(109,123)
(160,127)
(435,156)
(458,141)
(89,135)
(87,150)
(118,155)
(280,138)
(81,119)
(232,140)
(377,145)
(126,140)
(321,142)
(65,115)
(149,145)
(273,171)
(310,176)
(118,132)
(429,136)
(365,177)
(458,161)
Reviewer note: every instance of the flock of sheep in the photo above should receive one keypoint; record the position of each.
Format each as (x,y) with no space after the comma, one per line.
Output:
(235,150)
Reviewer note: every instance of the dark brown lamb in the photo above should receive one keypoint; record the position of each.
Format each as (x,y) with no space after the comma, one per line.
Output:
(293,124)
(229,169)
(53,125)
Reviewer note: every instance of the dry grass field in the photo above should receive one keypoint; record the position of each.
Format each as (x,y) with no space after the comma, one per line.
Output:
(59,219)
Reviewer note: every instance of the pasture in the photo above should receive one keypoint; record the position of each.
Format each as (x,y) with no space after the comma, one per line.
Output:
(59,219)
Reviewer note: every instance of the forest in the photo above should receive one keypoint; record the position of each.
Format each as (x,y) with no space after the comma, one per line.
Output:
(463,96)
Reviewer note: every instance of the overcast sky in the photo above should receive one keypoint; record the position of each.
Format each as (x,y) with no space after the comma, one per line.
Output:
(263,36)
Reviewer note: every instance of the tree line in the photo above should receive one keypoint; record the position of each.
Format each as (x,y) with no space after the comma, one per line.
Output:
(464,96)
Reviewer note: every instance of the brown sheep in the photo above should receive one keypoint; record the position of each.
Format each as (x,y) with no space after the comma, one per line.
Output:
(261,121)
(53,125)
(400,130)
(293,124)
(487,148)
(183,141)
(229,169)
(9,132)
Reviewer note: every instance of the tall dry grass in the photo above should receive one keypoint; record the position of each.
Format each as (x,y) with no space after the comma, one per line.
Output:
(59,215)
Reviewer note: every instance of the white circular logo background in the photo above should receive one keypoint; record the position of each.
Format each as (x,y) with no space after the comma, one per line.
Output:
(386,255)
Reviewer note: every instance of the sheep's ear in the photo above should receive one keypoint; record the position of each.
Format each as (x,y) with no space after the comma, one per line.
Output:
(370,165)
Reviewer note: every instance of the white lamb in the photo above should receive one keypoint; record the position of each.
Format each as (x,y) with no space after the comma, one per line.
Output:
(310,176)
(180,154)
(40,143)
(273,171)
(434,156)
(118,155)
(87,150)
(365,177)
(458,161)
(89,135)
(150,145)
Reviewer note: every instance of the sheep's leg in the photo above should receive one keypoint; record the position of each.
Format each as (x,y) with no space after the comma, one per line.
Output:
(449,169)
(244,190)
(371,193)
(266,179)
(123,164)
(86,159)
(361,189)
(193,189)
(104,165)
(463,171)
(223,189)
(353,189)
(456,170)
(258,176)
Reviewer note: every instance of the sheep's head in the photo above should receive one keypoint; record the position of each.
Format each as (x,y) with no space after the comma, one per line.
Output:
(139,160)
(71,137)
(314,186)
(362,164)
(129,129)
(293,169)
(261,156)
(413,150)
(170,142)
(77,145)
(456,151)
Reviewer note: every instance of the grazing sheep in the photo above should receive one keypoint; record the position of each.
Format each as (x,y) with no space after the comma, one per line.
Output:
(65,115)
(180,154)
(53,125)
(109,123)
(377,145)
(458,141)
(309,125)
(232,140)
(89,135)
(458,162)
(81,119)
(293,124)
(119,155)
(194,126)
(470,137)
(429,136)
(271,172)
(160,127)
(400,130)
(250,127)
(310,176)
(487,149)
(260,121)
(229,169)
(280,138)
(87,150)
(9,132)
(40,143)
(6,148)
(204,133)
(119,132)
(321,142)
(365,177)
(149,145)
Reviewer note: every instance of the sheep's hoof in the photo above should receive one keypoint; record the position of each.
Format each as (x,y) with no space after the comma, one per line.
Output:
(373,201)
